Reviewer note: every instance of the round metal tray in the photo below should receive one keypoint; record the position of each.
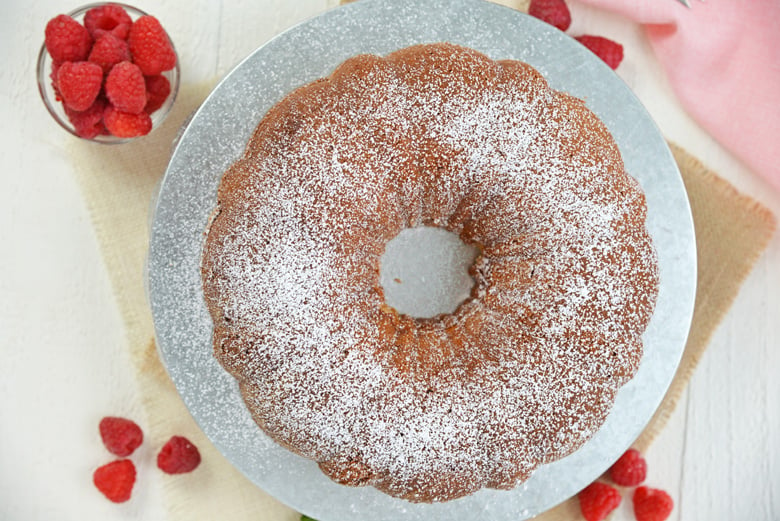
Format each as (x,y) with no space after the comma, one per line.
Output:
(216,136)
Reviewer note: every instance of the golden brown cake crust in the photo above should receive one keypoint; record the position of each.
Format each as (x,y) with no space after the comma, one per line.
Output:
(526,370)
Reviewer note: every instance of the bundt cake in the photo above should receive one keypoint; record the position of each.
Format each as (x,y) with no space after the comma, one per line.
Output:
(526,369)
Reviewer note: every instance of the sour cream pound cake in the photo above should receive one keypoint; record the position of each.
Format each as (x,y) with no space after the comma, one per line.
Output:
(525,370)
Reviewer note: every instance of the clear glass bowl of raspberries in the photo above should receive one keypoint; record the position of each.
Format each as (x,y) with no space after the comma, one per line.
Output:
(107,72)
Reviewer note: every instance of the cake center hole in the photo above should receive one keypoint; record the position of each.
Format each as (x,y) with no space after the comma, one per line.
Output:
(424,271)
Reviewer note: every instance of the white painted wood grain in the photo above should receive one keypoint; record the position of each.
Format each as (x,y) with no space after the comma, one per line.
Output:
(732,459)
(61,341)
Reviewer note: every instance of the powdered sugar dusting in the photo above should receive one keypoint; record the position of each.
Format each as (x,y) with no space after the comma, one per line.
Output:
(523,372)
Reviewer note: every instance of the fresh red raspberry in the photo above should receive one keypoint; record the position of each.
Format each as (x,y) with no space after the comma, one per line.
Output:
(55,68)
(125,124)
(88,124)
(178,456)
(651,504)
(597,500)
(158,88)
(120,435)
(126,88)
(67,40)
(149,44)
(79,84)
(108,51)
(554,12)
(115,480)
(108,18)
(608,50)
(629,470)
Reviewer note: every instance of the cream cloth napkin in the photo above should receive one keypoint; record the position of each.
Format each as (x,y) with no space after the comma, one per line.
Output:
(119,182)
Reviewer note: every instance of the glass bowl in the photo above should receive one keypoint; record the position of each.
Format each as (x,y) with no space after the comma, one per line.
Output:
(57,109)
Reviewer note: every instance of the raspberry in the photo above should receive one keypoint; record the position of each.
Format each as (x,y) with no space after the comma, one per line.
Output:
(88,124)
(125,124)
(597,500)
(149,44)
(108,51)
(67,40)
(55,67)
(115,480)
(554,12)
(651,504)
(178,456)
(79,84)
(120,435)
(126,88)
(629,470)
(158,88)
(108,19)
(609,51)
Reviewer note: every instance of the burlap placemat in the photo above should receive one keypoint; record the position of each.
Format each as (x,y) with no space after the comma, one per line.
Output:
(118,184)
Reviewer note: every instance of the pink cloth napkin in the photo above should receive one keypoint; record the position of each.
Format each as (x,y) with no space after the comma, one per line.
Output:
(723,61)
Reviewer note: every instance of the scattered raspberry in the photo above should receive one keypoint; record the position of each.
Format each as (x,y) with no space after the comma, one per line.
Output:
(124,124)
(608,50)
(554,12)
(79,84)
(67,40)
(597,500)
(178,456)
(629,470)
(126,88)
(88,124)
(115,480)
(651,504)
(108,51)
(108,19)
(149,44)
(120,435)
(158,88)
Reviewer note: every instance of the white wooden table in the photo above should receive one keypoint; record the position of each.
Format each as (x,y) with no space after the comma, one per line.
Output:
(62,354)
